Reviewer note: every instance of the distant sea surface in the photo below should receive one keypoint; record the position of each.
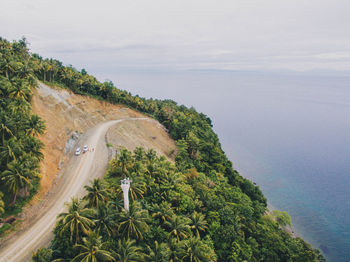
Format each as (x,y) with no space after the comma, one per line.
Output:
(288,133)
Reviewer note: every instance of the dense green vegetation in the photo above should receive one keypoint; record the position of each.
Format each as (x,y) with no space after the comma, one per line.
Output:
(197,209)
(175,215)
(19,148)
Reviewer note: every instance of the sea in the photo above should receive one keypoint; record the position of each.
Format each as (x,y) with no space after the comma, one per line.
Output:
(287,132)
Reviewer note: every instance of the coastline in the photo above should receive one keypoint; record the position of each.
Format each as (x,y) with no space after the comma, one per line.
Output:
(290,229)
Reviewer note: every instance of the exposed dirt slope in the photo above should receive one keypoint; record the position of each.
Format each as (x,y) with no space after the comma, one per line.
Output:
(65,113)
(148,134)
(86,120)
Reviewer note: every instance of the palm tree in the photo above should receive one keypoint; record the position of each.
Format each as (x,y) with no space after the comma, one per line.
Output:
(5,86)
(139,154)
(79,82)
(126,251)
(77,220)
(168,181)
(46,68)
(19,106)
(173,179)
(164,211)
(194,250)
(31,164)
(24,69)
(104,221)
(35,125)
(176,250)
(67,74)
(2,204)
(193,143)
(31,81)
(138,168)
(55,69)
(15,178)
(165,164)
(92,250)
(179,227)
(160,253)
(32,147)
(36,63)
(124,160)
(150,185)
(151,155)
(42,67)
(20,90)
(116,204)
(137,187)
(106,89)
(6,66)
(5,127)
(154,172)
(133,223)
(42,255)
(97,193)
(198,223)
(10,149)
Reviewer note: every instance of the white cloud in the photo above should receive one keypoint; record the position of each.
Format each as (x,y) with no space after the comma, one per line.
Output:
(184,34)
(334,56)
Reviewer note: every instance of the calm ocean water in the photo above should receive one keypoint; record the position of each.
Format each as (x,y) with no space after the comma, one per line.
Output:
(288,133)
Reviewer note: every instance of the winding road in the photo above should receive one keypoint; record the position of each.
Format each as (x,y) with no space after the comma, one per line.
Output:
(77,173)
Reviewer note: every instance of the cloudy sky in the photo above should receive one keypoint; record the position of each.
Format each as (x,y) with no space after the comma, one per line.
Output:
(156,35)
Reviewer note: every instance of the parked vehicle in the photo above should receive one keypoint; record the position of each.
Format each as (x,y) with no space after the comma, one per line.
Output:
(85,148)
(77,151)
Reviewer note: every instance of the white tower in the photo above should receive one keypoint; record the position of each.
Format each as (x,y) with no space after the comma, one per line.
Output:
(125,184)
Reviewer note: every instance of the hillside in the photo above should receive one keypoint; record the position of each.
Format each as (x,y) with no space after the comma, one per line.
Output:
(67,114)
(193,208)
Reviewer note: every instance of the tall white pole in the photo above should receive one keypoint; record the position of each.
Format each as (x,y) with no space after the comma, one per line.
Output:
(125,184)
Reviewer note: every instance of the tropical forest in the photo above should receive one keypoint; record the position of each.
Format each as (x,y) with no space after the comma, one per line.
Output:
(195,208)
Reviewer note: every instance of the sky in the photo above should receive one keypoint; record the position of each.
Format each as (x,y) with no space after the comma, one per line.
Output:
(155,35)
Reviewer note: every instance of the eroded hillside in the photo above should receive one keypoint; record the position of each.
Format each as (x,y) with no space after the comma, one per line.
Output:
(68,115)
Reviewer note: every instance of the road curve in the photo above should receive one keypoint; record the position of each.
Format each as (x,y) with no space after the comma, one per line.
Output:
(78,172)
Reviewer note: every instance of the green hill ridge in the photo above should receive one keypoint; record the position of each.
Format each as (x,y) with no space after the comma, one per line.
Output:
(196,209)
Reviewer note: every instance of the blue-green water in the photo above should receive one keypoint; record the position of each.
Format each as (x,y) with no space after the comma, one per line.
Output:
(288,133)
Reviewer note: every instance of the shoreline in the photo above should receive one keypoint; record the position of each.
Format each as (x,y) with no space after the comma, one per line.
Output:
(290,229)
(293,230)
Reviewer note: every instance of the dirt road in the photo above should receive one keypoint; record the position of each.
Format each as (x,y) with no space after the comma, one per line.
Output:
(77,173)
